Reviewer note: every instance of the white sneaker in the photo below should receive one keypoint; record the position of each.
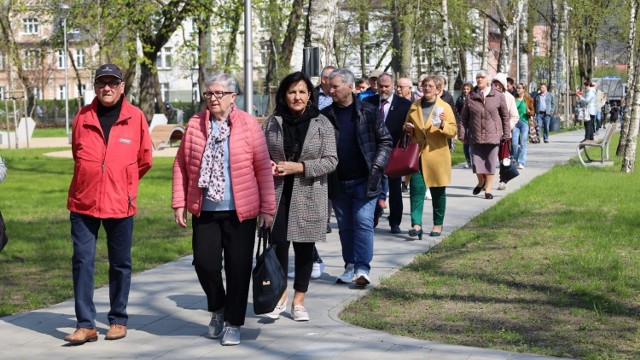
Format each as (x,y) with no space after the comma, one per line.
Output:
(292,275)
(502,186)
(362,277)
(348,276)
(318,269)
(521,166)
(428,194)
(231,335)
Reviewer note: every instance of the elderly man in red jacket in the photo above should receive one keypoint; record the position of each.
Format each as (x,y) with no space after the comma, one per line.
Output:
(111,151)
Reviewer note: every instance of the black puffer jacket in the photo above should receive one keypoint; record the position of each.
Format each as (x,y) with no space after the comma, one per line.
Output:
(374,141)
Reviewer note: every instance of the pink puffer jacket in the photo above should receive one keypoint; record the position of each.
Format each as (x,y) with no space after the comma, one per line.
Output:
(250,166)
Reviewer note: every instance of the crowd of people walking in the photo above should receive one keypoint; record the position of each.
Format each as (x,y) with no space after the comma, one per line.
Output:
(324,148)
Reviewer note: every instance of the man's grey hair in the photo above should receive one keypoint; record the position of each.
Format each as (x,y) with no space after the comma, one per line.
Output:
(483,73)
(224,79)
(387,75)
(345,74)
(328,68)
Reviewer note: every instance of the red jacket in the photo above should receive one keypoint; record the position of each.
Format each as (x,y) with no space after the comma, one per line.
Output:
(105,177)
(250,166)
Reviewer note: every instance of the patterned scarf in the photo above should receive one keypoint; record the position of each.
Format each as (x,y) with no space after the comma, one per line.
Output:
(212,166)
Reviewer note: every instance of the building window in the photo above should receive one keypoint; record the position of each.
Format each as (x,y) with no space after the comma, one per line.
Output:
(80,58)
(30,26)
(37,93)
(60,56)
(164,91)
(62,94)
(83,90)
(1,92)
(164,59)
(1,61)
(31,59)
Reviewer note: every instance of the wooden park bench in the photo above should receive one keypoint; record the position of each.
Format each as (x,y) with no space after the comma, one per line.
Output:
(164,135)
(602,144)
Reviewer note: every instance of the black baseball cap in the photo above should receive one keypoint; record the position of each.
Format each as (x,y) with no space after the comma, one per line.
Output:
(108,70)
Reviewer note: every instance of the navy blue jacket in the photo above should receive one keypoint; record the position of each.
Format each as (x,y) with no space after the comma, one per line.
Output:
(374,141)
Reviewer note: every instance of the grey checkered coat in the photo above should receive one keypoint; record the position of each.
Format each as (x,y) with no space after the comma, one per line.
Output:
(308,211)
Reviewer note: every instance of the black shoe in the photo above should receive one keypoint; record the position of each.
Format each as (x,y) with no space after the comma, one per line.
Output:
(477,189)
(488,196)
(414,233)
(546,141)
(376,215)
(395,229)
(329,228)
(435,233)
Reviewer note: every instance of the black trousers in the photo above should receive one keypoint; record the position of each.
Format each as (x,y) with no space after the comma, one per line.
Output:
(395,201)
(304,252)
(589,129)
(219,235)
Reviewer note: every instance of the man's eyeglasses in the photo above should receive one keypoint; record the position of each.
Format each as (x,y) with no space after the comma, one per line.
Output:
(218,94)
(112,84)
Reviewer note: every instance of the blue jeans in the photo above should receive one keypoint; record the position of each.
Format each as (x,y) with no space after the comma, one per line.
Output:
(84,233)
(544,120)
(354,212)
(519,136)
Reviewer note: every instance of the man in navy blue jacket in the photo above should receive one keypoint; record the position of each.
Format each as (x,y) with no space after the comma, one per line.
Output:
(393,110)
(364,145)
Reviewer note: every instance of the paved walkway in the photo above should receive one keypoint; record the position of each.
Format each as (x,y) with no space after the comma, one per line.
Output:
(167,306)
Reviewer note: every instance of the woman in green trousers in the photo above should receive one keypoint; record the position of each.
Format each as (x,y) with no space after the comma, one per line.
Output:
(430,122)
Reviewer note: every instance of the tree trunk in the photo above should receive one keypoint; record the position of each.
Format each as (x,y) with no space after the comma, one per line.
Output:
(148,94)
(553,49)
(234,21)
(402,37)
(629,159)
(446,48)
(291,34)
(524,45)
(322,25)
(631,80)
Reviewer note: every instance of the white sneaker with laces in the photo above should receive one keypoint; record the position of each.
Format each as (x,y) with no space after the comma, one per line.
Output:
(502,186)
(318,269)
(362,277)
(231,335)
(521,166)
(348,276)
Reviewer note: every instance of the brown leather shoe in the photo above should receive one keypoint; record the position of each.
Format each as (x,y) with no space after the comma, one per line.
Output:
(116,331)
(81,336)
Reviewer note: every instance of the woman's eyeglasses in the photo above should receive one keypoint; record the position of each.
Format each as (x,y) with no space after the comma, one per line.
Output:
(218,94)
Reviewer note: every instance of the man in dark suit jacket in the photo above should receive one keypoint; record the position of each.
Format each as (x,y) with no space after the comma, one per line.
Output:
(393,109)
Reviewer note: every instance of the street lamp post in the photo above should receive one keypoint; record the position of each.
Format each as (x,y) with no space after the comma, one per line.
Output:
(65,13)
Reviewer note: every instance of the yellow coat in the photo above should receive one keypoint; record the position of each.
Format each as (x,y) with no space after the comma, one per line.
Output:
(435,157)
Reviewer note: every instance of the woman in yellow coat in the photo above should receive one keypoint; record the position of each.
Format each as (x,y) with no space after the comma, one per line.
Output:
(430,122)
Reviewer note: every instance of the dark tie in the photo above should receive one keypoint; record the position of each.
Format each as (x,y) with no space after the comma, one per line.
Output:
(383,102)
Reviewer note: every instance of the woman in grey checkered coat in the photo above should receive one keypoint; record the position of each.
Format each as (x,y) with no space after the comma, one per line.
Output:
(302,145)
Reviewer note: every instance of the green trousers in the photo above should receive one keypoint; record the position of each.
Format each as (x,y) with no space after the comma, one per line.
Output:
(417,192)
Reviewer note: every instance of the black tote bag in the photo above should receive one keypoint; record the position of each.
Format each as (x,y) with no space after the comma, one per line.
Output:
(269,281)
(3,233)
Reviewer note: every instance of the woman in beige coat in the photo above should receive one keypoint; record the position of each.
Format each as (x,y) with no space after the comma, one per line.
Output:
(430,122)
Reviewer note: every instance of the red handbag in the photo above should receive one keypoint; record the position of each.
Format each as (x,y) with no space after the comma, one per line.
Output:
(503,151)
(404,159)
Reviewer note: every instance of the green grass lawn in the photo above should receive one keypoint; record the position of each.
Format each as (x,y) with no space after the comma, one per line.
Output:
(40,132)
(36,264)
(552,269)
